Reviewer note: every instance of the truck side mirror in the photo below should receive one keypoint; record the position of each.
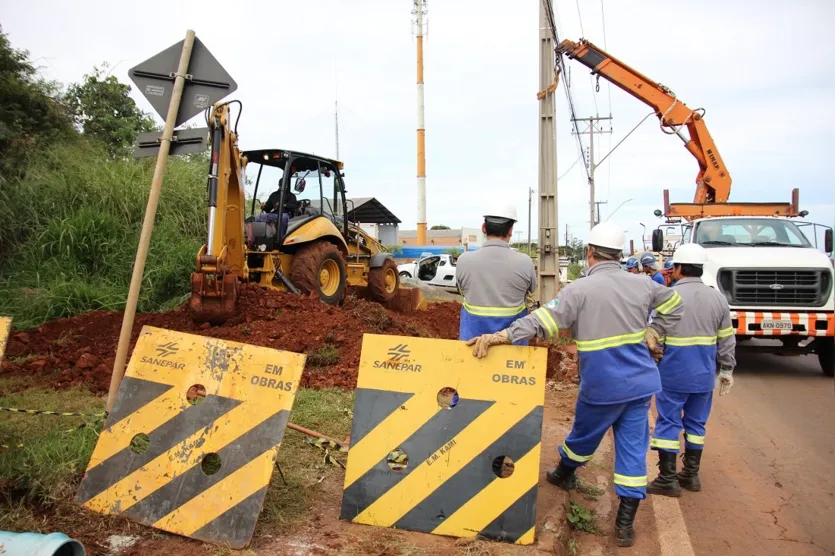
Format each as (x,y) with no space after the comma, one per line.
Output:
(657,240)
(827,240)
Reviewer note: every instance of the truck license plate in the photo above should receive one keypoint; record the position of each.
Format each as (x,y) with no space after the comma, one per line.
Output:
(776,325)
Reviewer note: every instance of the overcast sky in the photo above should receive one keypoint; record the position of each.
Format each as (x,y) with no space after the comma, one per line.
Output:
(761,70)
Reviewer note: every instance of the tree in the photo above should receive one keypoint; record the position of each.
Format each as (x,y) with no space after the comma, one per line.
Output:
(440,227)
(102,108)
(31,113)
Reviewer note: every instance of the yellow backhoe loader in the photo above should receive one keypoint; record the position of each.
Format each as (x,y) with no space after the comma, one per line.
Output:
(302,242)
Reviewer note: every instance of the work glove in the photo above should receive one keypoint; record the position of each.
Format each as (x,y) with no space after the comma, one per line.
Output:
(726,380)
(485,341)
(653,341)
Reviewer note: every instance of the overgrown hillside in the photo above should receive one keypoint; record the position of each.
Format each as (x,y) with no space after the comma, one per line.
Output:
(72,199)
(71,227)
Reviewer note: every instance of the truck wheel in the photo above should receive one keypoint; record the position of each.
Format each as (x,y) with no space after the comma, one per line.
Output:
(405,274)
(319,268)
(383,281)
(826,355)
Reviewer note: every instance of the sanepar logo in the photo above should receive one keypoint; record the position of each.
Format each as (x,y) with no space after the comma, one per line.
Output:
(398,360)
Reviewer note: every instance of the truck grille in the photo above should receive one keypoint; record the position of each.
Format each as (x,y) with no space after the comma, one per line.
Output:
(776,287)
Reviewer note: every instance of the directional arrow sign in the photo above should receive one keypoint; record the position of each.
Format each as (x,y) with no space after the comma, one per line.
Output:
(206,83)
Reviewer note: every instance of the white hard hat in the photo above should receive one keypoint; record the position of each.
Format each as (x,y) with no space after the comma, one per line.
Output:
(502,209)
(690,253)
(608,235)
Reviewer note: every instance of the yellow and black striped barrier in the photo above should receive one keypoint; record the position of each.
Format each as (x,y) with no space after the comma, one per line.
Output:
(5,329)
(444,443)
(191,442)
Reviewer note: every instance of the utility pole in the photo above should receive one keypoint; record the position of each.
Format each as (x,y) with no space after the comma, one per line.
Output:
(530,202)
(336,125)
(548,238)
(597,206)
(591,129)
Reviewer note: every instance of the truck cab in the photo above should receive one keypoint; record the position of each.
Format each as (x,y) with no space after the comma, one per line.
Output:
(778,284)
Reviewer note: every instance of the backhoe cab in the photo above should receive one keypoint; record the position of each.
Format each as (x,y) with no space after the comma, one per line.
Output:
(305,244)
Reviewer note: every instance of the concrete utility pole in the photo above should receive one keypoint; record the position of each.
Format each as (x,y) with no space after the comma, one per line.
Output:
(530,202)
(548,239)
(420,31)
(591,129)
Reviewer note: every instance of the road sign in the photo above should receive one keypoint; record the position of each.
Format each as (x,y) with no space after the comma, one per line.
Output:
(206,82)
(184,141)
(190,444)
(444,443)
(5,329)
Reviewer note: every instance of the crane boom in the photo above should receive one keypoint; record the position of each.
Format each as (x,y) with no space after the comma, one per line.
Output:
(713,182)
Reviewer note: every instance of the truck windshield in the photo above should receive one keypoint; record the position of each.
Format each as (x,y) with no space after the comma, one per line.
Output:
(748,232)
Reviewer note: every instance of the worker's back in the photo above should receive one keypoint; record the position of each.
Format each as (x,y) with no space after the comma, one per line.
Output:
(690,354)
(609,309)
(494,281)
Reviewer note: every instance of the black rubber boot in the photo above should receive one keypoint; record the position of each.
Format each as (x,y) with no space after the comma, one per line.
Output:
(624,532)
(689,476)
(563,476)
(666,484)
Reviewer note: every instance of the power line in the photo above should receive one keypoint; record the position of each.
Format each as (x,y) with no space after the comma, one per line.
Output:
(606,47)
(559,64)
(591,78)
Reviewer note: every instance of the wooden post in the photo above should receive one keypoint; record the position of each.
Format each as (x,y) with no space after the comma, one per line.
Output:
(148,223)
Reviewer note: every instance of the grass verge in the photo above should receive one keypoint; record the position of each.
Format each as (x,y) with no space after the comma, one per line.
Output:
(38,481)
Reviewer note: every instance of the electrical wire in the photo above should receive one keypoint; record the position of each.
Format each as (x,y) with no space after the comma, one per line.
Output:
(559,64)
(606,47)
(582,31)
(573,164)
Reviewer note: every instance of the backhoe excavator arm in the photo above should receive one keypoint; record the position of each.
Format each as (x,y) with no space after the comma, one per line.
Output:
(222,260)
(713,183)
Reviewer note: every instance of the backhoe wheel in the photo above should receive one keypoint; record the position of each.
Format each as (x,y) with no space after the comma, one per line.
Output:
(383,281)
(319,268)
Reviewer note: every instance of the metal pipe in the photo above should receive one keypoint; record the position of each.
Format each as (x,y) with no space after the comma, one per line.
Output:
(148,222)
(255,193)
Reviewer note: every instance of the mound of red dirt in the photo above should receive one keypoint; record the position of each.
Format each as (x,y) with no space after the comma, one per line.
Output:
(81,350)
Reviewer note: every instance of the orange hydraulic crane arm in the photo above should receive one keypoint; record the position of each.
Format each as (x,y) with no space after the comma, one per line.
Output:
(713,184)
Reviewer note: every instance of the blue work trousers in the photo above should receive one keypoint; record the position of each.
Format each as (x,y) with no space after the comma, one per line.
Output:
(679,411)
(630,424)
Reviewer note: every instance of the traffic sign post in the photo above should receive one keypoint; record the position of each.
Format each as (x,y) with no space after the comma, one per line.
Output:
(184,141)
(177,92)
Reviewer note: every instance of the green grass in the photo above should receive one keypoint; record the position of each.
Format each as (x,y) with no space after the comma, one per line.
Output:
(323,356)
(582,519)
(304,469)
(71,227)
(41,477)
(588,490)
(45,471)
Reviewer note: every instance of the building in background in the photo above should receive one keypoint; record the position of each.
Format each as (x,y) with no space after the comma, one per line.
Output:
(374,218)
(465,239)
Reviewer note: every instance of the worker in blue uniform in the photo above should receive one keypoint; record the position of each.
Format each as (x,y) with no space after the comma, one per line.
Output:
(607,314)
(650,267)
(494,280)
(667,273)
(688,373)
(632,265)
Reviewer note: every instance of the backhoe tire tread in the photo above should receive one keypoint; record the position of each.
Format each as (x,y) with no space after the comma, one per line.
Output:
(305,270)
(377,281)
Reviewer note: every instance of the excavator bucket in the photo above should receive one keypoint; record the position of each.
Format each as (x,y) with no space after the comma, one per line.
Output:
(407,300)
(213,298)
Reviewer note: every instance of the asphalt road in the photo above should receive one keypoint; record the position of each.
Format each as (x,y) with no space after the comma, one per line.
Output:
(767,469)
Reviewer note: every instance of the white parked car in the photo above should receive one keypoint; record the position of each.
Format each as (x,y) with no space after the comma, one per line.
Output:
(438,270)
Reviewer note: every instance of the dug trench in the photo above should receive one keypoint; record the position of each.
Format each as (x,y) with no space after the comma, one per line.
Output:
(80,350)
(65,359)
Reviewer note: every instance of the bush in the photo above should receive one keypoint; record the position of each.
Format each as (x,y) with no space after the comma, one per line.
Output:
(71,226)
(574,270)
